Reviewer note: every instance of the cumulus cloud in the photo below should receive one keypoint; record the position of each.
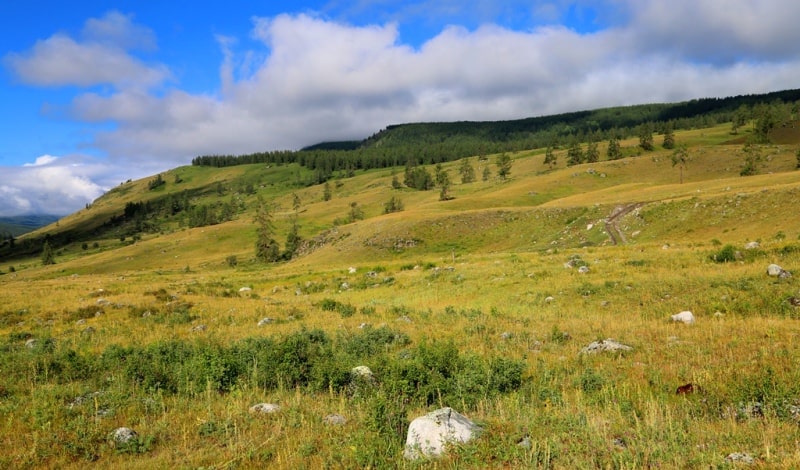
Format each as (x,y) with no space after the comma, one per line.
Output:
(101,57)
(52,185)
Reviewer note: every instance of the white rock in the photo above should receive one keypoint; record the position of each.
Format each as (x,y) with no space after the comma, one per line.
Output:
(361,371)
(429,435)
(265,408)
(741,457)
(549,299)
(265,321)
(31,343)
(752,245)
(123,435)
(589,226)
(606,345)
(245,289)
(774,270)
(351,270)
(335,420)
(684,317)
(583,269)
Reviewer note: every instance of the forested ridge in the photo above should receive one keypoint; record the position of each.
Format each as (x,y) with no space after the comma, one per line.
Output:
(430,143)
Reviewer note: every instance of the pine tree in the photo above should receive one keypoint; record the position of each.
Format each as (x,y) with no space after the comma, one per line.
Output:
(592,153)
(326,192)
(574,154)
(614,152)
(550,158)
(646,137)
(267,250)
(487,173)
(48,257)
(467,171)
(503,165)
(669,138)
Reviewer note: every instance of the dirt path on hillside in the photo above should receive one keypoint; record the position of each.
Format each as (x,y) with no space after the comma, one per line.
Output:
(612,222)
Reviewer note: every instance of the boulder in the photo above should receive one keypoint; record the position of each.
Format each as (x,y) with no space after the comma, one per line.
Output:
(265,408)
(774,270)
(741,457)
(606,345)
(335,420)
(124,435)
(362,371)
(686,317)
(245,289)
(429,435)
(752,246)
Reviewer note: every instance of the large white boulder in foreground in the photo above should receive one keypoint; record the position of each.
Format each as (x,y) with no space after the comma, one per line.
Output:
(429,435)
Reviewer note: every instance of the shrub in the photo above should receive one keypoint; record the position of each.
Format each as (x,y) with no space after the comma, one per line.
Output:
(726,255)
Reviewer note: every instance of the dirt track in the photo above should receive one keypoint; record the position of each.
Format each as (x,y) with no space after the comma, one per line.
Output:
(612,227)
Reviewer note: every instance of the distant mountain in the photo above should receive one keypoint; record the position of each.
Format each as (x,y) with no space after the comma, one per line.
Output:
(17,225)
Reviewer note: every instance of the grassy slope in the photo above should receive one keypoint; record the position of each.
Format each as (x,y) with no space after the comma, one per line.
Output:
(507,242)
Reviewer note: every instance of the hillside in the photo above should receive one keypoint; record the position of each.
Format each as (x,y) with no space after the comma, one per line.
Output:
(483,296)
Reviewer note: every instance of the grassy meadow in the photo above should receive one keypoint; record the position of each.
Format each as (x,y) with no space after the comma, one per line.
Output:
(476,303)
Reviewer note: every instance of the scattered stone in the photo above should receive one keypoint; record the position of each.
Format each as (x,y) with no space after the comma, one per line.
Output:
(583,269)
(665,247)
(752,246)
(775,271)
(265,408)
(589,226)
(525,443)
(351,270)
(606,345)
(794,301)
(718,314)
(372,274)
(506,335)
(80,322)
(619,443)
(199,328)
(245,289)
(344,286)
(102,301)
(404,319)
(335,420)
(364,326)
(428,435)
(265,321)
(88,331)
(549,299)
(686,317)
(124,435)
(31,343)
(362,371)
(784,274)
(741,457)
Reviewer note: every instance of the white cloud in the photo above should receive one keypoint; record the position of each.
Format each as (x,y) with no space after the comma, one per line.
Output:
(53,185)
(101,58)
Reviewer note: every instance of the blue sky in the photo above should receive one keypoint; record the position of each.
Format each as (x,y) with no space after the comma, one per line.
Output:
(94,95)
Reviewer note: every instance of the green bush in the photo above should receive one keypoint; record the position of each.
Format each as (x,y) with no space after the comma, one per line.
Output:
(725,255)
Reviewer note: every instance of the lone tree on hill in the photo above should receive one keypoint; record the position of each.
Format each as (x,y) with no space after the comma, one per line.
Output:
(550,158)
(669,138)
(267,249)
(614,152)
(680,157)
(592,153)
(646,137)
(503,165)
(752,160)
(574,153)
(467,171)
(48,257)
